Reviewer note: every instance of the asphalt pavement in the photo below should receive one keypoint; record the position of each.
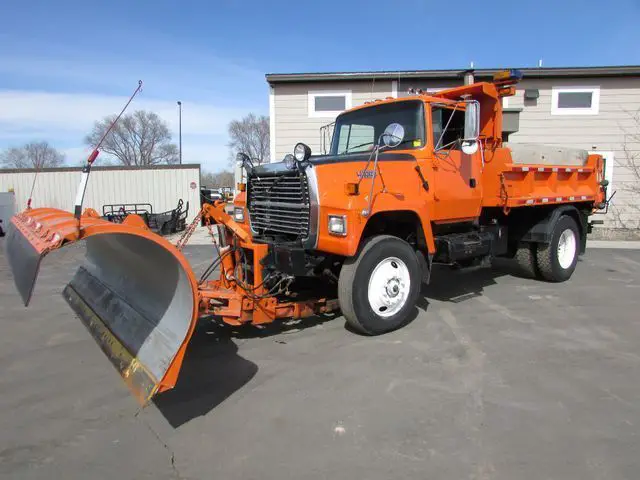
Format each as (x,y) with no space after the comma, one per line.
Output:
(497,377)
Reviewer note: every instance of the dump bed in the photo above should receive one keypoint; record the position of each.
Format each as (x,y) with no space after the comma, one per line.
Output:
(525,174)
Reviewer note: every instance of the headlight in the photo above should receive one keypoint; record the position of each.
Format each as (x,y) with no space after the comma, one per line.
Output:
(238,214)
(289,161)
(338,225)
(302,152)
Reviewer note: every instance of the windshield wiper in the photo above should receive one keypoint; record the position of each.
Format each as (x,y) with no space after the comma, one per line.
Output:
(371,143)
(358,146)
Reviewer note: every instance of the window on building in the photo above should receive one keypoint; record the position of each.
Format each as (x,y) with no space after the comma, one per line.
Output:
(329,103)
(575,100)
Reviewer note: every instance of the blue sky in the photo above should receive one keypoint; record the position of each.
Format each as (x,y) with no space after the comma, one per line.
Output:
(65,64)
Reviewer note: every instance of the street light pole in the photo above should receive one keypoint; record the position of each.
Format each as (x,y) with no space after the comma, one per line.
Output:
(180,129)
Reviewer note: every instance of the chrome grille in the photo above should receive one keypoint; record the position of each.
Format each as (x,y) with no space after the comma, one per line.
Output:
(279,205)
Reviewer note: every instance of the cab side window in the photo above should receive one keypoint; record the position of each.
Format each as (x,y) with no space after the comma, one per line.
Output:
(447,127)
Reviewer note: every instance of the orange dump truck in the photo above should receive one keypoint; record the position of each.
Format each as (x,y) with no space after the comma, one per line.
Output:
(408,183)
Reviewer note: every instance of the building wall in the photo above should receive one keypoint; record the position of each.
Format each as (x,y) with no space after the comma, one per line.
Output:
(612,131)
(160,187)
(609,131)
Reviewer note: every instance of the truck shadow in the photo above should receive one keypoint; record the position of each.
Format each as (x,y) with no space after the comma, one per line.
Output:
(278,327)
(457,285)
(213,371)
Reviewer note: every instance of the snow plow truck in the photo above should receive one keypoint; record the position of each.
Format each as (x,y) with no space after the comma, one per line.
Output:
(408,183)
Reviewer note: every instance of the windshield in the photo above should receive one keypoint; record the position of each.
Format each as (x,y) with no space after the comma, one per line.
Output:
(358,131)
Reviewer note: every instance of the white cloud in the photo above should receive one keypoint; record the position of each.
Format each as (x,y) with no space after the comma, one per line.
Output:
(65,118)
(75,113)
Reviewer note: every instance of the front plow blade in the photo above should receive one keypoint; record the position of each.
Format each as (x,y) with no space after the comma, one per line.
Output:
(135,292)
(24,261)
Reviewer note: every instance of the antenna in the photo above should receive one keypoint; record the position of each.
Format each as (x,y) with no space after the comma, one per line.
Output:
(86,170)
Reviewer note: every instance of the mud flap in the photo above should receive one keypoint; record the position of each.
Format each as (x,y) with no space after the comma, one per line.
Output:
(135,293)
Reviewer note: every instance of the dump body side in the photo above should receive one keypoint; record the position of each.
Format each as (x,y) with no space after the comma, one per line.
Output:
(558,177)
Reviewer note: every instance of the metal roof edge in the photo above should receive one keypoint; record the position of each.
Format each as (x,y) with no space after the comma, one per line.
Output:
(184,166)
(542,72)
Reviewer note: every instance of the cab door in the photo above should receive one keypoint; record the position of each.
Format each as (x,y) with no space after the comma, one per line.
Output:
(457,175)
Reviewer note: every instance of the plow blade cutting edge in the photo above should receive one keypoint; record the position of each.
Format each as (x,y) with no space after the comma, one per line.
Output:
(135,292)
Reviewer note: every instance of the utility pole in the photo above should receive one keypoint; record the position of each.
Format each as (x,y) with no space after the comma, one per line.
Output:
(180,129)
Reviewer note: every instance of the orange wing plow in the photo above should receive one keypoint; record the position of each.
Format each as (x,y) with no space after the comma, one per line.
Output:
(136,293)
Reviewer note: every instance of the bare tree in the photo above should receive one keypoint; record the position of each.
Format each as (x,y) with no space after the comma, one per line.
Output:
(627,216)
(217,180)
(251,136)
(140,138)
(32,155)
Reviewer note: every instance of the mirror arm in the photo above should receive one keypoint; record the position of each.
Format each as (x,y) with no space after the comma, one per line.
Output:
(367,211)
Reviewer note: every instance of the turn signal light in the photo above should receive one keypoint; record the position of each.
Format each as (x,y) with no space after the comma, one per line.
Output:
(351,188)
(242,187)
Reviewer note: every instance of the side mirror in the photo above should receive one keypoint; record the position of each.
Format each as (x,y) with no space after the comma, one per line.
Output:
(393,135)
(471,127)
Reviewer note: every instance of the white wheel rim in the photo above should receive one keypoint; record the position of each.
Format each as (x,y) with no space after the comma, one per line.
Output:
(566,248)
(389,286)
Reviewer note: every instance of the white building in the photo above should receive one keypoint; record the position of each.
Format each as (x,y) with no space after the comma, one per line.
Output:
(159,185)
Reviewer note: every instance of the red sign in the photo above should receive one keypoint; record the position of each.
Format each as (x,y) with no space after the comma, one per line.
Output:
(193,185)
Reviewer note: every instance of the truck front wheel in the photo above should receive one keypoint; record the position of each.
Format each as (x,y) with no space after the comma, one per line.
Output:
(379,287)
(557,259)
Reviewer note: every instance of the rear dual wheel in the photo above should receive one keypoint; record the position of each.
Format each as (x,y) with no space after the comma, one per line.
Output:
(378,288)
(526,259)
(557,259)
(554,261)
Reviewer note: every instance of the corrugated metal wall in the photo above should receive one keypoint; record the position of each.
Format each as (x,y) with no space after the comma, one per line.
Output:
(161,186)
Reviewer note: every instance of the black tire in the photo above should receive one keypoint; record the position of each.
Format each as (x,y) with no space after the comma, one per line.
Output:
(526,259)
(353,285)
(548,258)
